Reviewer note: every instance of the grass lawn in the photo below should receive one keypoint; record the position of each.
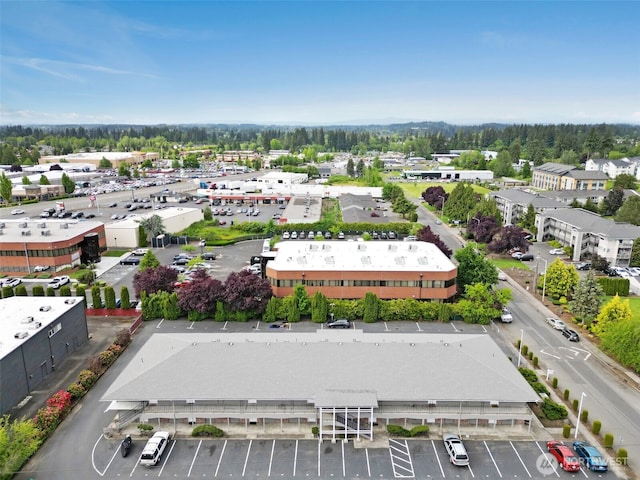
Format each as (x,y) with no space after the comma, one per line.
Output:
(416,189)
(634,304)
(505,263)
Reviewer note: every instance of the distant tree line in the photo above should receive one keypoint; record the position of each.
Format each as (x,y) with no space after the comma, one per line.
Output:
(568,143)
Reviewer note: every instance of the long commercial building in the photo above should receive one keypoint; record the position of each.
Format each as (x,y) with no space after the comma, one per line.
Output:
(348,270)
(344,382)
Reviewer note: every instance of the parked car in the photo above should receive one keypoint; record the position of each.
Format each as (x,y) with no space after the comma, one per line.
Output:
(41,268)
(208,256)
(556,251)
(17,211)
(392,235)
(113,205)
(591,456)
(339,323)
(182,255)
(76,215)
(57,282)
(455,449)
(583,266)
(340,235)
(90,216)
(517,255)
(556,323)
(152,452)
(502,275)
(572,335)
(567,460)
(294,235)
(11,282)
(506,316)
(527,257)
(130,260)
(181,261)
(140,251)
(327,235)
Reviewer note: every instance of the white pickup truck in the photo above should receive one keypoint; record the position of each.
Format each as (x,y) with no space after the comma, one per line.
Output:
(506,316)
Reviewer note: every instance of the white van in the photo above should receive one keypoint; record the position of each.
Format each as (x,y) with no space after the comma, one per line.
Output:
(266,246)
(154,448)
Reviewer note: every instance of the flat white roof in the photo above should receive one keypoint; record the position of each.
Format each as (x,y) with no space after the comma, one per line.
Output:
(54,230)
(165,214)
(377,255)
(309,366)
(20,317)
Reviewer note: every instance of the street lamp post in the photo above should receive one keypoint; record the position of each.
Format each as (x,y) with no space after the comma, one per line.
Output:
(520,349)
(331,305)
(582,395)
(544,280)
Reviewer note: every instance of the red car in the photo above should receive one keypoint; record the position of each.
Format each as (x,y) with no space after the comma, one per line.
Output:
(567,460)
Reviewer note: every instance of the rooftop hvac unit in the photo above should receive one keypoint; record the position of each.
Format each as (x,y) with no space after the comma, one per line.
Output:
(46,233)
(64,225)
(1,231)
(35,325)
(45,308)
(27,320)
(2,224)
(22,225)
(21,335)
(42,225)
(70,301)
(26,232)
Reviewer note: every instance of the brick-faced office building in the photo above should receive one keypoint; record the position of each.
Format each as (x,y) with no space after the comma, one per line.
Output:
(58,244)
(35,337)
(349,270)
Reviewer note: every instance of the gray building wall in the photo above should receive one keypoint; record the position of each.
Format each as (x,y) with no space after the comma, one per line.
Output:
(26,366)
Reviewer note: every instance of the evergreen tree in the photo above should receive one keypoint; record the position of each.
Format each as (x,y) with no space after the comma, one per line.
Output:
(587,298)
(360,168)
(474,268)
(6,188)
(630,211)
(613,202)
(68,184)
(371,308)
(461,202)
(44,180)
(149,260)
(525,172)
(350,167)
(528,219)
(125,302)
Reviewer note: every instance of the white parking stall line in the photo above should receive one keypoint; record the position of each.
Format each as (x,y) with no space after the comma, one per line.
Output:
(471,471)
(344,467)
(93,456)
(246,459)
(190,327)
(386,327)
(584,473)
(454,327)
(224,327)
(546,457)
(520,458)
(295,459)
(257,327)
(273,447)
(419,329)
(484,329)
(220,459)
(166,459)
(159,323)
(492,459)
(319,459)
(366,453)
(437,458)
(194,458)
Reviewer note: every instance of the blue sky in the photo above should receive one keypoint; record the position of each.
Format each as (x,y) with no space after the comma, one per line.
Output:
(319,62)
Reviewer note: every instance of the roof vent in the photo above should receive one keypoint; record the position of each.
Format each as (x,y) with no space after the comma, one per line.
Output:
(45,308)
(21,335)
(2,224)
(42,225)
(35,325)
(70,301)
(1,231)
(27,320)
(64,225)
(22,225)
(26,232)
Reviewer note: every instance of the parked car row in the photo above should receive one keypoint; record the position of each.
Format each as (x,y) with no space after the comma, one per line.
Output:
(589,456)
(523,257)
(558,324)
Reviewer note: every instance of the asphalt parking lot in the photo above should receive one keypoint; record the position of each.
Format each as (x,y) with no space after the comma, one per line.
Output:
(193,458)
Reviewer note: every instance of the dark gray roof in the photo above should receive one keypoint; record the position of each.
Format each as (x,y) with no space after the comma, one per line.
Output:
(575,193)
(358,208)
(525,198)
(555,168)
(587,175)
(320,367)
(592,222)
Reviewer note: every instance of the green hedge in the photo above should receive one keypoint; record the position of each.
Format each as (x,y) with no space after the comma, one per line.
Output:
(614,286)
(207,431)
(399,431)
(552,410)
